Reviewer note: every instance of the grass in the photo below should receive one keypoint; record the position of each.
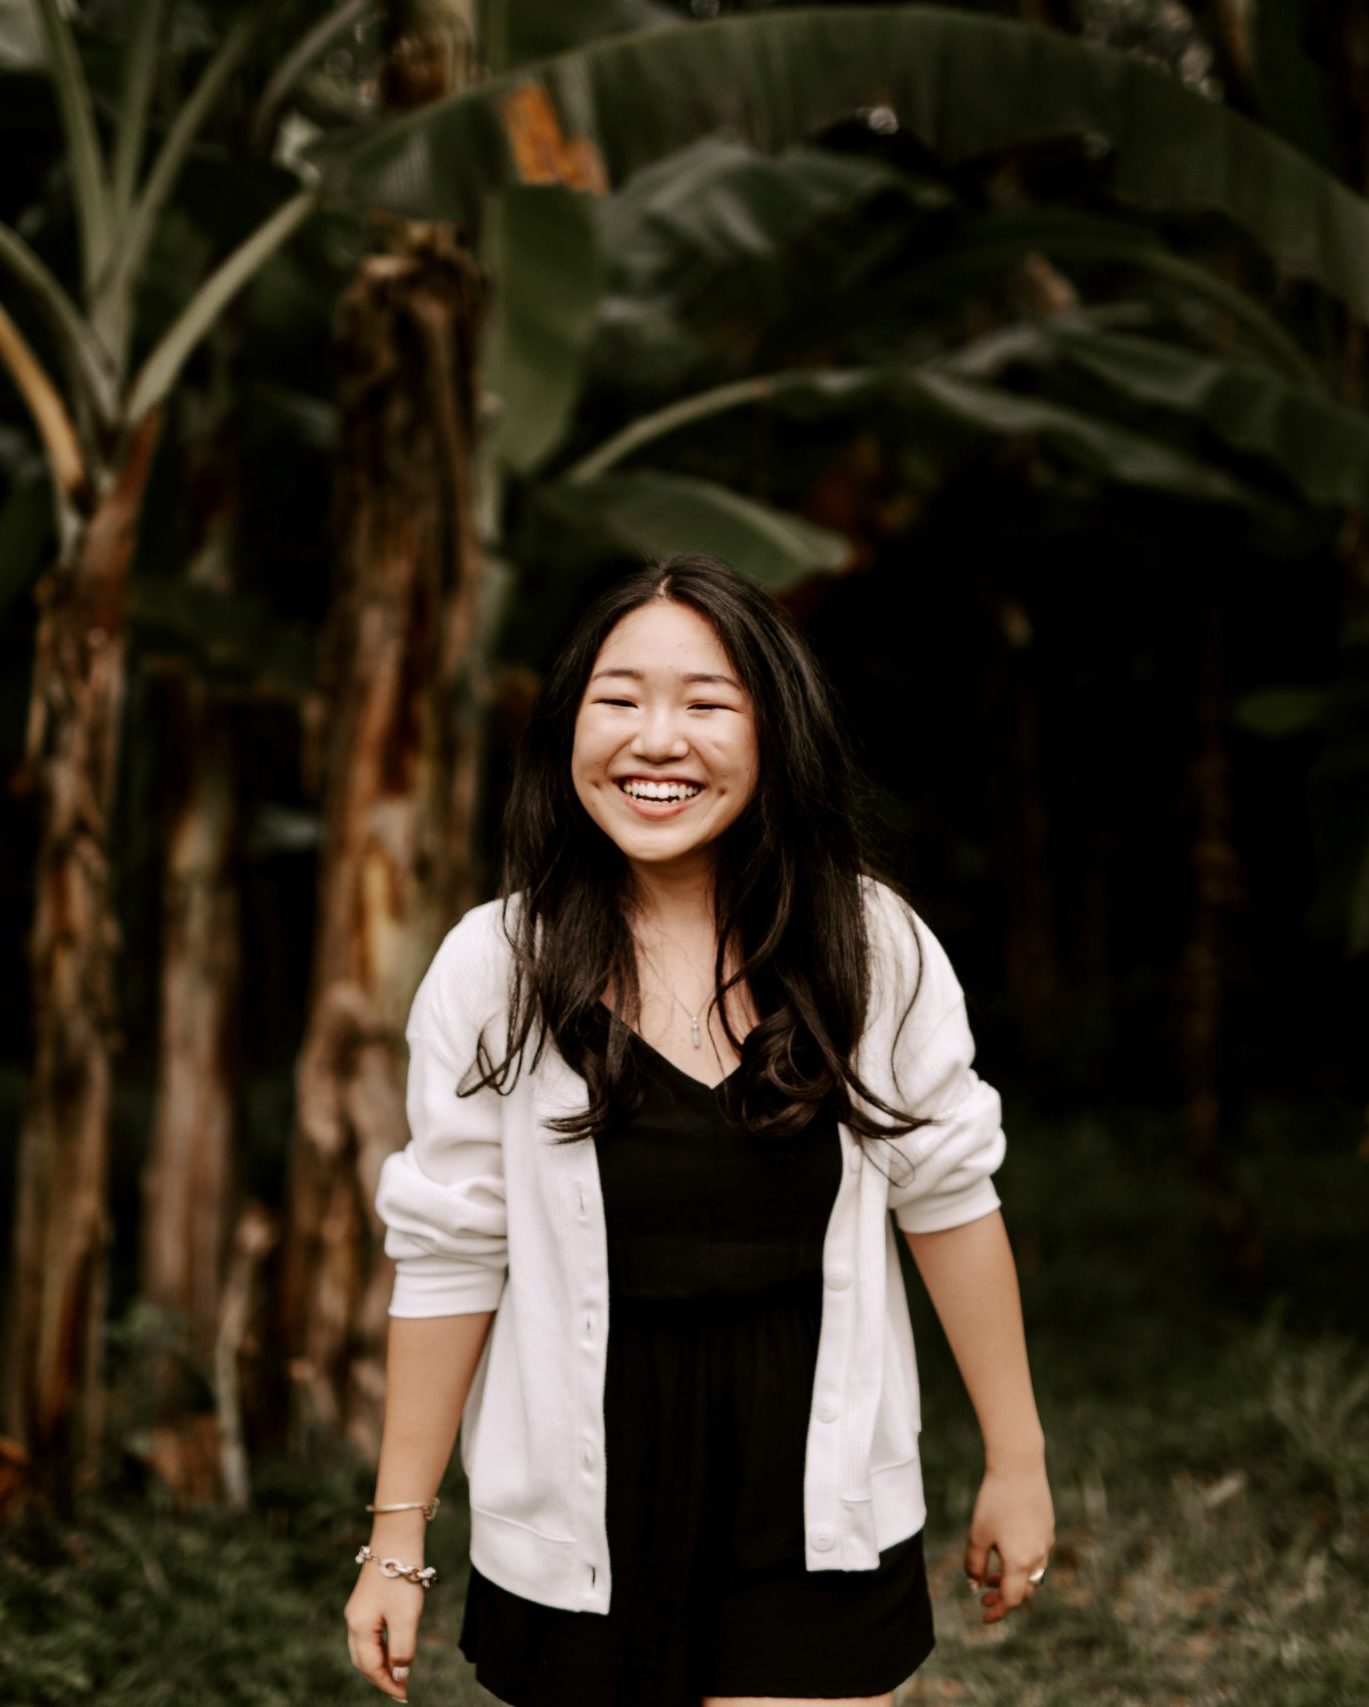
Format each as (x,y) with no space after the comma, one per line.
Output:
(1209,1463)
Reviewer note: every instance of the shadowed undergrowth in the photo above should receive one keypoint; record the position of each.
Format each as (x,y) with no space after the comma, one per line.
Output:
(1209,1462)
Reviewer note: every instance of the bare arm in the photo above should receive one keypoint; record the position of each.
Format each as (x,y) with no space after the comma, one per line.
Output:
(971,1277)
(441,1200)
(430,1362)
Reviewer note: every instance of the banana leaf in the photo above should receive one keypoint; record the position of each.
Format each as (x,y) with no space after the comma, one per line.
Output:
(651,512)
(962,85)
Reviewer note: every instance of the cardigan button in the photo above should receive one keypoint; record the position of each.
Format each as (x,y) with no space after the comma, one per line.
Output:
(827,1411)
(822,1539)
(838,1277)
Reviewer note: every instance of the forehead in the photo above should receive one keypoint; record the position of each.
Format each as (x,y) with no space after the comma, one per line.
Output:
(667,642)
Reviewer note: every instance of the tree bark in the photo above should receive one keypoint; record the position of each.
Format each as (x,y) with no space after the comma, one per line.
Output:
(188,1184)
(53,1388)
(399,723)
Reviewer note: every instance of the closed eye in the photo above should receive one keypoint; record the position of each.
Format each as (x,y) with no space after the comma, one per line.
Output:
(699,705)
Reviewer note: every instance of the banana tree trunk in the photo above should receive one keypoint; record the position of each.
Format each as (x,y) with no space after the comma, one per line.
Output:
(62,1228)
(400,726)
(188,1181)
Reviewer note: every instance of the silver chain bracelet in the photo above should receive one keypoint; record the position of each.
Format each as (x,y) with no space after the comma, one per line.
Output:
(424,1575)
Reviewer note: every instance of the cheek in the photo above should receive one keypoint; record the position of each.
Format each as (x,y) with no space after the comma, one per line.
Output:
(588,749)
(743,760)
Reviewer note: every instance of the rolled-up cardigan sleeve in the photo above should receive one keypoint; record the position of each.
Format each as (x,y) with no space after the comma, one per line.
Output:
(951,1162)
(441,1198)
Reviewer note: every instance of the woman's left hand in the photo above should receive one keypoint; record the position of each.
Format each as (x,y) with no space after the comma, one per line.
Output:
(1014,1514)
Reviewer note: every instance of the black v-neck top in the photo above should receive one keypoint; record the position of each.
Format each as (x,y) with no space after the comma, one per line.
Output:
(690,1196)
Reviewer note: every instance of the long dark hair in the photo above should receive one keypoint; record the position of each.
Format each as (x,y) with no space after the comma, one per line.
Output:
(787,889)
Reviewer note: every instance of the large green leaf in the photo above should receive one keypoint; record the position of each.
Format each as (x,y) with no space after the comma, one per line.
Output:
(718,248)
(1318,444)
(1296,98)
(88,367)
(541,244)
(511,32)
(653,512)
(111,305)
(89,179)
(960,408)
(717,206)
(141,51)
(995,240)
(961,84)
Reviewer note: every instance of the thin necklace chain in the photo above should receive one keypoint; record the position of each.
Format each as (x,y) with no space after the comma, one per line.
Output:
(695,1036)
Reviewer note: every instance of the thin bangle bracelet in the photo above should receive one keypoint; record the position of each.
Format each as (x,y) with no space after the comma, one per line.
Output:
(427,1507)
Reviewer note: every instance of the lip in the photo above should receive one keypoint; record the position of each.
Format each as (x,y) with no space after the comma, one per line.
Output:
(657,808)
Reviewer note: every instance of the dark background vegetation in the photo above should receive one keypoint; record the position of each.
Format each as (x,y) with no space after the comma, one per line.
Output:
(1028,639)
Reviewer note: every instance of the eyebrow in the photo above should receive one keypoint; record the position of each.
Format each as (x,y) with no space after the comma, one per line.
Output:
(689,676)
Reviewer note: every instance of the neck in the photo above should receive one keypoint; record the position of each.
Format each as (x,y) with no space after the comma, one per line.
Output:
(675,898)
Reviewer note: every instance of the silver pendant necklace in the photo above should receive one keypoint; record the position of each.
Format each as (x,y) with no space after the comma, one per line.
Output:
(695,1033)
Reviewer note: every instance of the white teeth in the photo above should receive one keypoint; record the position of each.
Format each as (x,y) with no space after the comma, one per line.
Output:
(661,790)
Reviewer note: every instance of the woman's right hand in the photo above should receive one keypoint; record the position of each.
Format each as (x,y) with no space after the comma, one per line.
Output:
(384,1607)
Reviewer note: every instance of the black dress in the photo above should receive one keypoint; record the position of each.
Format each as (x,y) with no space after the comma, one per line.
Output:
(715,1302)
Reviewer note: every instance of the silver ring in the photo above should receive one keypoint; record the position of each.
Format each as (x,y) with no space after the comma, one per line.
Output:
(1037,1576)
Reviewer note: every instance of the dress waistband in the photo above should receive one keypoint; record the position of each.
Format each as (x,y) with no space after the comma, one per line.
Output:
(722,1299)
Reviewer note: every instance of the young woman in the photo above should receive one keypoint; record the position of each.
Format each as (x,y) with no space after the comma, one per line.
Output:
(663,1095)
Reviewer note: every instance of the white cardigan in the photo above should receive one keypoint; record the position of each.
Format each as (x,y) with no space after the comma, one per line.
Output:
(483,1213)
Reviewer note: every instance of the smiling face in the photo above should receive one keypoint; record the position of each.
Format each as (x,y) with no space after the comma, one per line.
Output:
(663,707)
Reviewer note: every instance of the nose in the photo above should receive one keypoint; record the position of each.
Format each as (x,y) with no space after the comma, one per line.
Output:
(659,737)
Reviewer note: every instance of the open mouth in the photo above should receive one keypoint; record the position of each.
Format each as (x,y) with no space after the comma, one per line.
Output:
(657,800)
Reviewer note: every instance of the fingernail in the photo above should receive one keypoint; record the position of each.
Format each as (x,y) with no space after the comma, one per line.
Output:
(972,1583)
(400,1673)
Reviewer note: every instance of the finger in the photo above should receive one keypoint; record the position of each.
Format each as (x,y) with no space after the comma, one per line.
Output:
(403,1643)
(370,1659)
(976,1561)
(992,1594)
(1015,1588)
(997,1607)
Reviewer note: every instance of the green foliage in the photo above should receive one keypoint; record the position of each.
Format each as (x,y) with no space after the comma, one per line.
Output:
(120,210)
(541,244)
(961,84)
(512,32)
(652,512)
